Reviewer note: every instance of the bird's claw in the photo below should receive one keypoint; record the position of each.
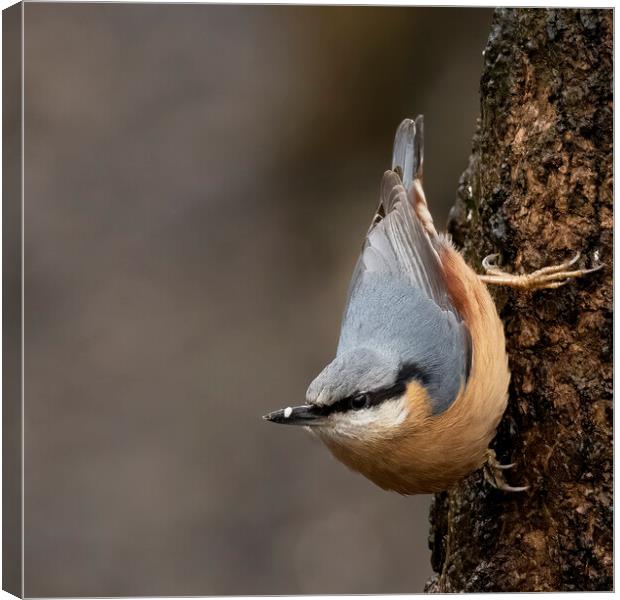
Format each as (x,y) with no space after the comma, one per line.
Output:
(504,487)
(551,277)
(504,467)
(489,263)
(493,473)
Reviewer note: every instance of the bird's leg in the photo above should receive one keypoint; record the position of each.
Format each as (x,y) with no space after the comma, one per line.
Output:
(546,278)
(493,473)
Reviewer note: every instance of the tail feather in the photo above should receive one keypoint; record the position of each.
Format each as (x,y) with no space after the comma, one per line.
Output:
(408,154)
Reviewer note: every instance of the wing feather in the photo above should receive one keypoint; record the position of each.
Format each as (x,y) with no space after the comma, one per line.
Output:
(402,244)
(400,249)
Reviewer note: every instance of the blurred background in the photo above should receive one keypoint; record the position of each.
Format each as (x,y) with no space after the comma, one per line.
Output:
(198,181)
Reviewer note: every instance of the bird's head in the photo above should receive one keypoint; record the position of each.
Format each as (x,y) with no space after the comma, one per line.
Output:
(359,399)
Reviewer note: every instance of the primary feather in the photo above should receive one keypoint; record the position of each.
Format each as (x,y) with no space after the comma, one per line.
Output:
(408,153)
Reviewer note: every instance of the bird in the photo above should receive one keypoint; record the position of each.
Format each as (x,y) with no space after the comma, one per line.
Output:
(420,379)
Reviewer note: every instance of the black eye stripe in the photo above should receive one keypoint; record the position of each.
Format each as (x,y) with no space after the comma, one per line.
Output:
(412,371)
(375,397)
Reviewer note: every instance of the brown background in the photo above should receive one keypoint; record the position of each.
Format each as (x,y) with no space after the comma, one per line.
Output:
(198,180)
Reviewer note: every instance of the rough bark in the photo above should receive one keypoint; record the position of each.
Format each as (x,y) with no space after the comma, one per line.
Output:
(538,189)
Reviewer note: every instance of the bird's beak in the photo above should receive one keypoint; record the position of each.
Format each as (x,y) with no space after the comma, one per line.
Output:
(298,415)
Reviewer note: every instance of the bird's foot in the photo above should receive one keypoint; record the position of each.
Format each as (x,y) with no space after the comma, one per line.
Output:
(494,474)
(546,278)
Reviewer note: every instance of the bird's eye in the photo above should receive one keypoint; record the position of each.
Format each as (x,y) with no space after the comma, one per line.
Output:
(358,402)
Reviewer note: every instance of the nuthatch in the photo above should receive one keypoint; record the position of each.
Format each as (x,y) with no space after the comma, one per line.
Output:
(420,379)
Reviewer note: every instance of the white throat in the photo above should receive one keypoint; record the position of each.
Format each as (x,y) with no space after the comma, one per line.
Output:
(367,423)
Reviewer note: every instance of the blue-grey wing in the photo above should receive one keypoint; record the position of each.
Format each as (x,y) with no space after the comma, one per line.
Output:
(406,328)
(399,276)
(398,244)
(396,241)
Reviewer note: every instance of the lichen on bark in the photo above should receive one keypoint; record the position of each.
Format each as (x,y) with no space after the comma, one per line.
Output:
(537,190)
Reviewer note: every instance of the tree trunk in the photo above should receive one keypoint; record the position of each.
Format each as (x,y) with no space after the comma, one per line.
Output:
(537,190)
